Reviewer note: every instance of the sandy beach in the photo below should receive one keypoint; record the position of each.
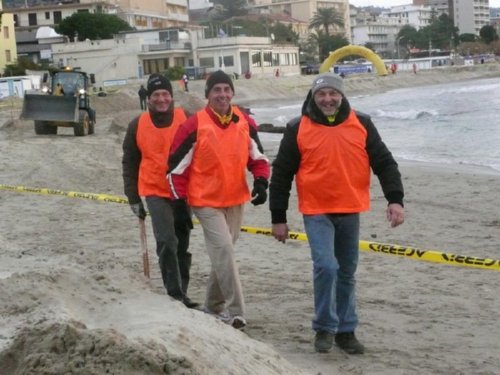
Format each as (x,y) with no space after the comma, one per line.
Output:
(74,299)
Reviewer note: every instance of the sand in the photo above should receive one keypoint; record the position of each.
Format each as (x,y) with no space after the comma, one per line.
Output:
(74,299)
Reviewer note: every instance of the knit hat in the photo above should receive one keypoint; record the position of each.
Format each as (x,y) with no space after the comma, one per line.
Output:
(331,80)
(217,77)
(157,81)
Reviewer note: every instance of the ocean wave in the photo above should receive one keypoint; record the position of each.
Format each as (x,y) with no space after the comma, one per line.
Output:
(411,114)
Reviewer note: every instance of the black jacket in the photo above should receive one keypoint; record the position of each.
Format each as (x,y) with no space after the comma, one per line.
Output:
(287,161)
(132,155)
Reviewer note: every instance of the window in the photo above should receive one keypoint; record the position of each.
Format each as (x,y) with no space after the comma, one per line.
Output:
(8,57)
(5,32)
(226,61)
(267,58)
(47,15)
(276,59)
(32,19)
(256,59)
(207,62)
(178,61)
(16,20)
(57,17)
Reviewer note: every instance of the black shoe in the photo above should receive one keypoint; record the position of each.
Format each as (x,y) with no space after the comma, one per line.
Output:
(323,342)
(190,304)
(348,342)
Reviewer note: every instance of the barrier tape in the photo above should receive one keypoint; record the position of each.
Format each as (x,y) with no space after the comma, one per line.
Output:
(398,250)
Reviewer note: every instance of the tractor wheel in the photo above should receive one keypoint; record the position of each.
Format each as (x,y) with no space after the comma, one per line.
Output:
(92,127)
(81,128)
(42,128)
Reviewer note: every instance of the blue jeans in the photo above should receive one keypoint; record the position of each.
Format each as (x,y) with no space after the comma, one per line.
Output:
(334,242)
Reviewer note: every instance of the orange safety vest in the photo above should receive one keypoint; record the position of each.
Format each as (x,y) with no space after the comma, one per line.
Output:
(217,177)
(154,144)
(334,171)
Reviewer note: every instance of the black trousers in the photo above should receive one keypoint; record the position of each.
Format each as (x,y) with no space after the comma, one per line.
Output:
(172,243)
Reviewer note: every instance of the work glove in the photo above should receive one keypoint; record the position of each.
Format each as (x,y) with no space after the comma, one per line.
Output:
(259,193)
(138,210)
(182,214)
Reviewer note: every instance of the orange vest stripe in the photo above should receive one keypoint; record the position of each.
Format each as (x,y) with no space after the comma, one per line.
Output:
(154,144)
(334,172)
(217,177)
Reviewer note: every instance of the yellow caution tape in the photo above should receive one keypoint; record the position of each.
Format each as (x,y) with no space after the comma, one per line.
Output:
(405,251)
(409,252)
(71,194)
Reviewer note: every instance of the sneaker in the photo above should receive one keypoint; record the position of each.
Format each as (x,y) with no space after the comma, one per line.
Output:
(323,342)
(223,316)
(348,342)
(189,303)
(238,322)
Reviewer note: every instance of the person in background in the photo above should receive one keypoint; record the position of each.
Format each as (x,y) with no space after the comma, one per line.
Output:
(329,150)
(185,80)
(207,170)
(143,97)
(58,90)
(145,149)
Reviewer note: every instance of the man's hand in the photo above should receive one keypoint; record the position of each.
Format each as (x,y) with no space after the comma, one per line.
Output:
(280,232)
(395,214)
(259,193)
(138,210)
(182,215)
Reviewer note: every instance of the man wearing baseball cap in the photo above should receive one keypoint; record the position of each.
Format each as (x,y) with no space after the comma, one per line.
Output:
(145,150)
(329,150)
(208,161)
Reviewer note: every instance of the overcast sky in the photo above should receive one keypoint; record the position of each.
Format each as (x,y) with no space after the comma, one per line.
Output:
(390,3)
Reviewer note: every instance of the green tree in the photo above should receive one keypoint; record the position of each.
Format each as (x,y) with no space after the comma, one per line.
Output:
(467,38)
(327,43)
(283,33)
(488,34)
(439,34)
(232,8)
(92,26)
(325,18)
(19,67)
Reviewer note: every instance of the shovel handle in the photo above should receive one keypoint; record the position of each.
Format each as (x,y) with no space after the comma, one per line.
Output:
(144,247)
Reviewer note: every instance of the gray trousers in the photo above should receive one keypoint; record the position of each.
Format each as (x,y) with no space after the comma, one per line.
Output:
(172,243)
(221,228)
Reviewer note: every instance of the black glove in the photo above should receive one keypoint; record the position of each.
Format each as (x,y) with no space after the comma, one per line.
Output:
(138,210)
(259,193)
(182,215)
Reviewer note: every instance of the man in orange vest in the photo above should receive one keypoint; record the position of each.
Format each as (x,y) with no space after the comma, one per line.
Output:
(330,150)
(207,170)
(145,150)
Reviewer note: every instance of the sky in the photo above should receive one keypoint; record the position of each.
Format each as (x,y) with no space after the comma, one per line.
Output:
(390,3)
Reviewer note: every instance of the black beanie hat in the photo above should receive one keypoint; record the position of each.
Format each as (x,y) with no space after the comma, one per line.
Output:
(157,81)
(217,77)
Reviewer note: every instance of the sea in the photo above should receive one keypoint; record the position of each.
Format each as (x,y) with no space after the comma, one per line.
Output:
(452,124)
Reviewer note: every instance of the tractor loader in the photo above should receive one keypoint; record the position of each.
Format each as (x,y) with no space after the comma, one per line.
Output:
(64,101)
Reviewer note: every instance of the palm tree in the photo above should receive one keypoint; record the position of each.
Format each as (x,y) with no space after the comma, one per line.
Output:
(326,17)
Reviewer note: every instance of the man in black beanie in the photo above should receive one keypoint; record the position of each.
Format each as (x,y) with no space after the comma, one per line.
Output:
(208,161)
(145,151)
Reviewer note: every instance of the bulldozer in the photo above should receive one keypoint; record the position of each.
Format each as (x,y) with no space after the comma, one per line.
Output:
(64,101)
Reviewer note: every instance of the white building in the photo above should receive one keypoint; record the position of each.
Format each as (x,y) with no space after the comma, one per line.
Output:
(418,16)
(380,34)
(139,53)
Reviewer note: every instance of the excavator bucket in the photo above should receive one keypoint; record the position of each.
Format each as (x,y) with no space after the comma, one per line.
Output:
(50,108)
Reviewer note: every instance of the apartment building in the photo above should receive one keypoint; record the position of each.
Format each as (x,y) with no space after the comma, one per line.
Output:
(468,15)
(418,16)
(381,34)
(8,49)
(304,10)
